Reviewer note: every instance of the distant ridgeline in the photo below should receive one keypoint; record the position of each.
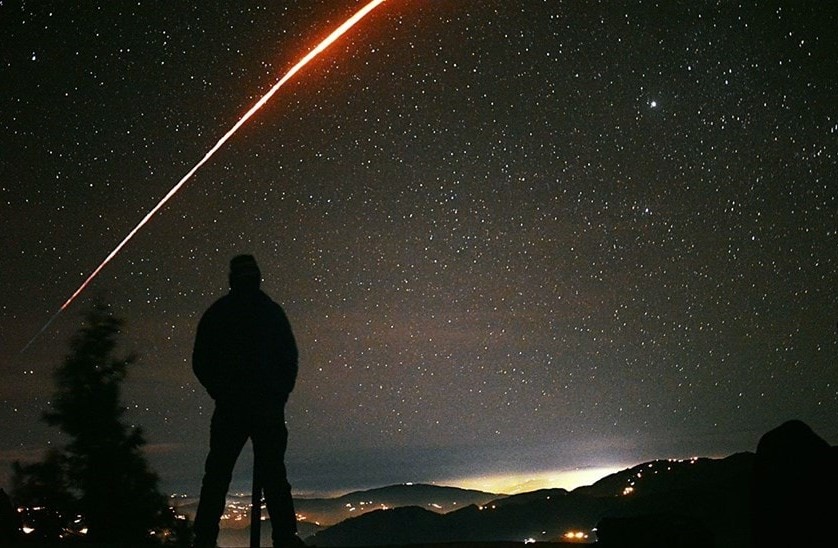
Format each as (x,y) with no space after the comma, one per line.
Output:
(784,492)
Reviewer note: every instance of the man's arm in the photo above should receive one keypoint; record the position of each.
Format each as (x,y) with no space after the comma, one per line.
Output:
(289,355)
(203,357)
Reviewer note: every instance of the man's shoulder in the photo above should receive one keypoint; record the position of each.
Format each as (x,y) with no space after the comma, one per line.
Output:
(272,309)
(231,303)
(268,300)
(217,307)
(220,302)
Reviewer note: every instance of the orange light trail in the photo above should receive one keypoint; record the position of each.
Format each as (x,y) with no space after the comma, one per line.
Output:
(337,33)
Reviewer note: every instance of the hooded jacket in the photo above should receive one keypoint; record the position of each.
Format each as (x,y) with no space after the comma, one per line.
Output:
(245,352)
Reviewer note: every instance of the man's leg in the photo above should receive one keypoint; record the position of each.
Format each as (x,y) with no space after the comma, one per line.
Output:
(228,434)
(270,439)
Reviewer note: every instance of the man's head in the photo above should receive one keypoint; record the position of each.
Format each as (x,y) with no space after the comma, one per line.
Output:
(244,273)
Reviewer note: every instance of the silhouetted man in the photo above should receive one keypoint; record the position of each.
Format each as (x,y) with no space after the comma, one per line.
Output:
(246,357)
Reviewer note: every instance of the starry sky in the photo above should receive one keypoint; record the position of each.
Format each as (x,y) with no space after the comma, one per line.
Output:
(514,239)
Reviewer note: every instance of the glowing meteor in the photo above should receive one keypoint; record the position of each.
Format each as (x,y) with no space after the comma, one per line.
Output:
(337,33)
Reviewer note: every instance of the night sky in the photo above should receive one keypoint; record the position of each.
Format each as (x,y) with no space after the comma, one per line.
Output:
(513,238)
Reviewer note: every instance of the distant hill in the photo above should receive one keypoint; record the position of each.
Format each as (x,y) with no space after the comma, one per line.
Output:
(714,490)
(434,498)
(786,486)
(314,514)
(670,474)
(693,503)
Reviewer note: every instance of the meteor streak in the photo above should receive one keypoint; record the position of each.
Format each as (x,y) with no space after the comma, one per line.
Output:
(337,33)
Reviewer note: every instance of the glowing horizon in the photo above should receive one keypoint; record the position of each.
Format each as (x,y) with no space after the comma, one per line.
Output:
(516,483)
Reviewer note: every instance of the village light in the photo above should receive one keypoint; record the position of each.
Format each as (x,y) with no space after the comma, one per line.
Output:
(575,536)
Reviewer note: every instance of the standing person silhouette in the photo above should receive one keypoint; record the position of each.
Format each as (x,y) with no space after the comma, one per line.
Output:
(245,356)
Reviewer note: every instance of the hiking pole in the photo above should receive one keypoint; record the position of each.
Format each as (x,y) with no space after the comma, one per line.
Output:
(255,511)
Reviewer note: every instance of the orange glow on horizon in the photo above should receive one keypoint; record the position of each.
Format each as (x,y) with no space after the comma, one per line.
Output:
(513,483)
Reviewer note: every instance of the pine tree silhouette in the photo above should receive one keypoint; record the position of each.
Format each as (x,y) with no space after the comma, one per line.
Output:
(102,470)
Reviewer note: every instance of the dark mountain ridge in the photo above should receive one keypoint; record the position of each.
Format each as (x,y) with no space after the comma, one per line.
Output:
(700,502)
(552,515)
(435,498)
